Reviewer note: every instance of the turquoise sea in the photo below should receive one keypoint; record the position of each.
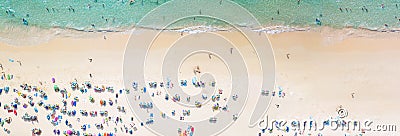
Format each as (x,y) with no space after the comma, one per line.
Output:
(116,14)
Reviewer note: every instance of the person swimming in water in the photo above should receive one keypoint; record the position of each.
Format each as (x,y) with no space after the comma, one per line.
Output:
(131,2)
(365,8)
(24,21)
(318,21)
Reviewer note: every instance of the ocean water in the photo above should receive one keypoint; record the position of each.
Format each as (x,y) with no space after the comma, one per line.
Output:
(119,14)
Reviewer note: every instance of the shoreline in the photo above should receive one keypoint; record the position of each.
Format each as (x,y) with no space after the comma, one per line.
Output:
(34,35)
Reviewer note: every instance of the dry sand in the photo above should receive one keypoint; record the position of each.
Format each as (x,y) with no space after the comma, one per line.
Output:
(319,76)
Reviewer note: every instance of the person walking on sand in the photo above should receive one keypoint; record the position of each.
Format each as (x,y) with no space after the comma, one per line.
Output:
(1,66)
(20,63)
(231,50)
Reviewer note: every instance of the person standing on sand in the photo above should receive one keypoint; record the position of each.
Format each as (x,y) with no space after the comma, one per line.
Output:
(1,66)
(231,50)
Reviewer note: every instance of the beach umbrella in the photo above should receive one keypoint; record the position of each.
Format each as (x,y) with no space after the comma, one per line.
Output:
(69,132)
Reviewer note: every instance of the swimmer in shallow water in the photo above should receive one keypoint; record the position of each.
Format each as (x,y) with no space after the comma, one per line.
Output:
(131,2)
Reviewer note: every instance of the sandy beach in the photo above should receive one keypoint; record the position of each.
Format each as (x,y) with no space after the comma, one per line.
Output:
(317,70)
